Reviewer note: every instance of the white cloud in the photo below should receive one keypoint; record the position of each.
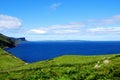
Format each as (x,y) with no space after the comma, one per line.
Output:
(102,30)
(106,21)
(55,6)
(71,28)
(66,31)
(37,31)
(106,25)
(79,28)
(111,20)
(9,22)
(72,25)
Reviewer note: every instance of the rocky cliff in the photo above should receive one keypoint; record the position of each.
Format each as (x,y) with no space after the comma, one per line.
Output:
(6,41)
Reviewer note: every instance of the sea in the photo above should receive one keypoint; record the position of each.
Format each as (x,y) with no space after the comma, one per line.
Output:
(44,50)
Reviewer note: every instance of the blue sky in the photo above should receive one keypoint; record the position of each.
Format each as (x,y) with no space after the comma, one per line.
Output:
(61,19)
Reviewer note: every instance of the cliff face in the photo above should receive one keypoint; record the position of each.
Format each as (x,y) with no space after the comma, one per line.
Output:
(17,40)
(22,39)
(6,41)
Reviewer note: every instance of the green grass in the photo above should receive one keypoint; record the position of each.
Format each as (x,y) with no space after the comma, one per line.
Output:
(76,59)
(8,61)
(68,67)
(66,60)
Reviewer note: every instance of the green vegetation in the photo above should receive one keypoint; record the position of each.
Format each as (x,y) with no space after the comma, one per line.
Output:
(67,67)
(8,61)
(5,41)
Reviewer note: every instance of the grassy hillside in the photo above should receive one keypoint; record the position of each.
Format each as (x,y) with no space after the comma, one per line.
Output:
(8,61)
(5,41)
(68,67)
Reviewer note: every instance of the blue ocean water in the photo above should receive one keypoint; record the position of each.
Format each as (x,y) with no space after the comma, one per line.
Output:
(44,50)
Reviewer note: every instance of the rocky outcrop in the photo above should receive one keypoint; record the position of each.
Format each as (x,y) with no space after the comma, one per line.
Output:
(17,40)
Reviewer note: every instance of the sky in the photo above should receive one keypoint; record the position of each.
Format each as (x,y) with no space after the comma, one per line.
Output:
(97,20)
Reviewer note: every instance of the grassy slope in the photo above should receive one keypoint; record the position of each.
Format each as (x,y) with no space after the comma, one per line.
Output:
(8,61)
(5,41)
(4,38)
(68,67)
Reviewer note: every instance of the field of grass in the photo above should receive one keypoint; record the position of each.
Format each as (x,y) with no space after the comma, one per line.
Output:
(68,67)
(8,61)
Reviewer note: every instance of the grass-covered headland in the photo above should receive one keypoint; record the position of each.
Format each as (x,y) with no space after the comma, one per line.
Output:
(66,67)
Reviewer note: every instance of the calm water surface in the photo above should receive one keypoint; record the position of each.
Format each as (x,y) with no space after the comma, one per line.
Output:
(36,51)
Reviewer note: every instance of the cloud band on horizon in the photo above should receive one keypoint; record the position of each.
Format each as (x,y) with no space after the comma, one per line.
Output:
(97,27)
